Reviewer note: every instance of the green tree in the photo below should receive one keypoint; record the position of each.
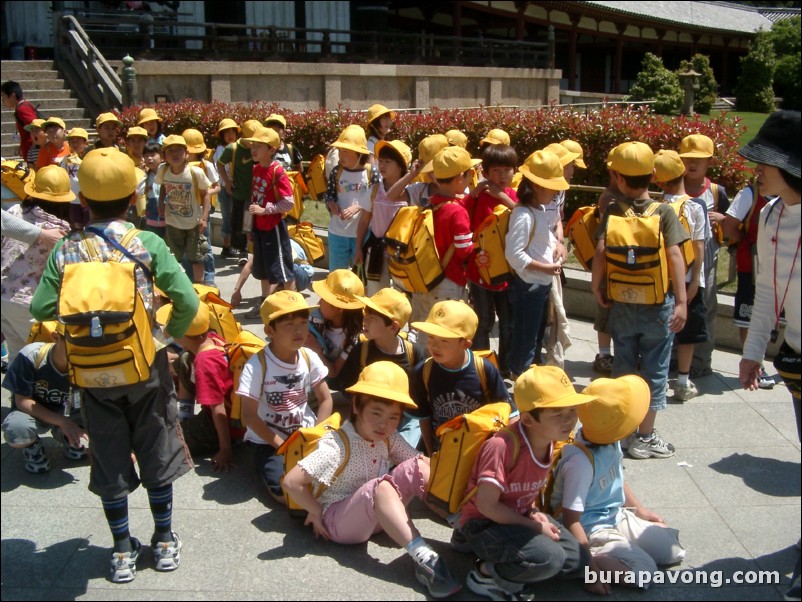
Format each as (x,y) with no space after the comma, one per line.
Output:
(754,90)
(706,86)
(786,37)
(655,82)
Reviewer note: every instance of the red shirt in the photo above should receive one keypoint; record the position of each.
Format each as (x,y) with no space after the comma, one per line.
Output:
(213,380)
(269,185)
(50,155)
(25,113)
(452,226)
(479,209)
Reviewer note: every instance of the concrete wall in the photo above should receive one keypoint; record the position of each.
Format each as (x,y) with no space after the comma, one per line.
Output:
(301,86)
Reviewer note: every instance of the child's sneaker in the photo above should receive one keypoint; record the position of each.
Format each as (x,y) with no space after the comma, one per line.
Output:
(685,392)
(482,585)
(764,381)
(36,461)
(603,364)
(75,453)
(654,447)
(167,554)
(123,564)
(434,574)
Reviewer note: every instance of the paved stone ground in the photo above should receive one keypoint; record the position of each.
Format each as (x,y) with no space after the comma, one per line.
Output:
(733,491)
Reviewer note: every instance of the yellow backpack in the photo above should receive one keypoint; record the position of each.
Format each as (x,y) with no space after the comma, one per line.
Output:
(414,263)
(637,268)
(316,177)
(41,332)
(304,234)
(221,316)
(489,241)
(14,175)
(581,229)
(460,441)
(107,328)
(686,248)
(299,189)
(239,352)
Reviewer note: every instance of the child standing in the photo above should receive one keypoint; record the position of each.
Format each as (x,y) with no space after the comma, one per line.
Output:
(366,496)
(348,190)
(380,122)
(184,203)
(154,221)
(334,328)
(38,140)
(288,156)
(276,383)
(534,254)
(108,129)
(135,140)
(697,152)
(642,332)
(518,546)
(597,506)
(56,148)
(668,172)
(415,188)
(227,132)
(149,120)
(78,140)
(453,381)
(377,215)
(499,162)
(141,417)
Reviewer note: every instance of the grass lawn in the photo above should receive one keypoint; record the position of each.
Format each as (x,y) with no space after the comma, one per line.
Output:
(752,121)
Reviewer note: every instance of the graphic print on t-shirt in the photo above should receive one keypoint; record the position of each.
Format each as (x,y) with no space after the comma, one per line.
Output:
(179,198)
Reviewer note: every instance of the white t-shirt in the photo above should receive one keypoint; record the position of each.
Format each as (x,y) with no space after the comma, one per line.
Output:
(554,210)
(283,392)
(523,245)
(695,214)
(181,207)
(352,187)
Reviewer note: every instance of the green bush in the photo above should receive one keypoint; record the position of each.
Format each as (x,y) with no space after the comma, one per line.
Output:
(754,89)
(706,86)
(655,82)
(786,37)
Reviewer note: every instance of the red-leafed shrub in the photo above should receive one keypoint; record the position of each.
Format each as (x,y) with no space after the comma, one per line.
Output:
(597,131)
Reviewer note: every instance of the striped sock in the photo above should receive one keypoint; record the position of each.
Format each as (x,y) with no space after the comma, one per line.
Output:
(116,511)
(161,507)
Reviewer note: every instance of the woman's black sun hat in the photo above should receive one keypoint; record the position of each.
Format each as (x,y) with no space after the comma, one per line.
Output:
(777,143)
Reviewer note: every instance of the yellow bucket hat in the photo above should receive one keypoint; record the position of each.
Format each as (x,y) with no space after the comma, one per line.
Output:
(194,140)
(106,174)
(199,325)
(562,152)
(543,167)
(402,150)
(148,114)
(547,387)
(385,380)
(106,118)
(227,124)
(620,405)
(377,110)
(575,147)
(450,320)
(353,138)
(340,288)
(51,183)
(668,166)
(283,303)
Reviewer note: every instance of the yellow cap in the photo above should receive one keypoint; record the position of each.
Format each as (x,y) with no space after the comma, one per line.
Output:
(54,121)
(148,114)
(543,167)
(385,380)
(106,174)
(264,135)
(51,183)
(430,146)
(283,303)
(200,323)
(353,138)
(36,123)
(456,138)
(620,406)
(275,118)
(137,131)
(495,137)
(450,320)
(391,303)
(566,156)
(194,140)
(78,133)
(610,155)
(546,387)
(227,124)
(633,159)
(668,166)
(575,147)
(402,150)
(450,162)
(377,110)
(174,140)
(696,146)
(340,288)
(106,118)
(249,127)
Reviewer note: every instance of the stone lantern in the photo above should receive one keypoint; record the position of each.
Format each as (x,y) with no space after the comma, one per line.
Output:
(688,82)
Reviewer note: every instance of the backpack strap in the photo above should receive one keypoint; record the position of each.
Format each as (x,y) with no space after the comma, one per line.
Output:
(121,246)
(410,350)
(715,190)
(479,364)
(363,354)
(427,372)
(650,210)
(42,354)
(195,182)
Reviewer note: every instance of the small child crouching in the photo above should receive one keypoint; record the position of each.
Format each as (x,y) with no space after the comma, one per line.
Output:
(600,511)
(367,496)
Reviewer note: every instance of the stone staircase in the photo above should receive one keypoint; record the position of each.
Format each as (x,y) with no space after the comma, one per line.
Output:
(43,86)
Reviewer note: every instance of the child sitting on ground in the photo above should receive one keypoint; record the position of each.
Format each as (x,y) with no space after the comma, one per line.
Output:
(276,383)
(38,381)
(517,545)
(598,507)
(452,381)
(366,496)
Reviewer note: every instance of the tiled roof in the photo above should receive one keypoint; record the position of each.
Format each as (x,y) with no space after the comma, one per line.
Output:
(718,16)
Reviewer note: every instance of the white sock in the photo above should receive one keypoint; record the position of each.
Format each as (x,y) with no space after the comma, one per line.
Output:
(605,351)
(419,550)
(682,380)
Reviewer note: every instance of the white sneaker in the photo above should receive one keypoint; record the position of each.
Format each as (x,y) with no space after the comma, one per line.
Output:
(686,392)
